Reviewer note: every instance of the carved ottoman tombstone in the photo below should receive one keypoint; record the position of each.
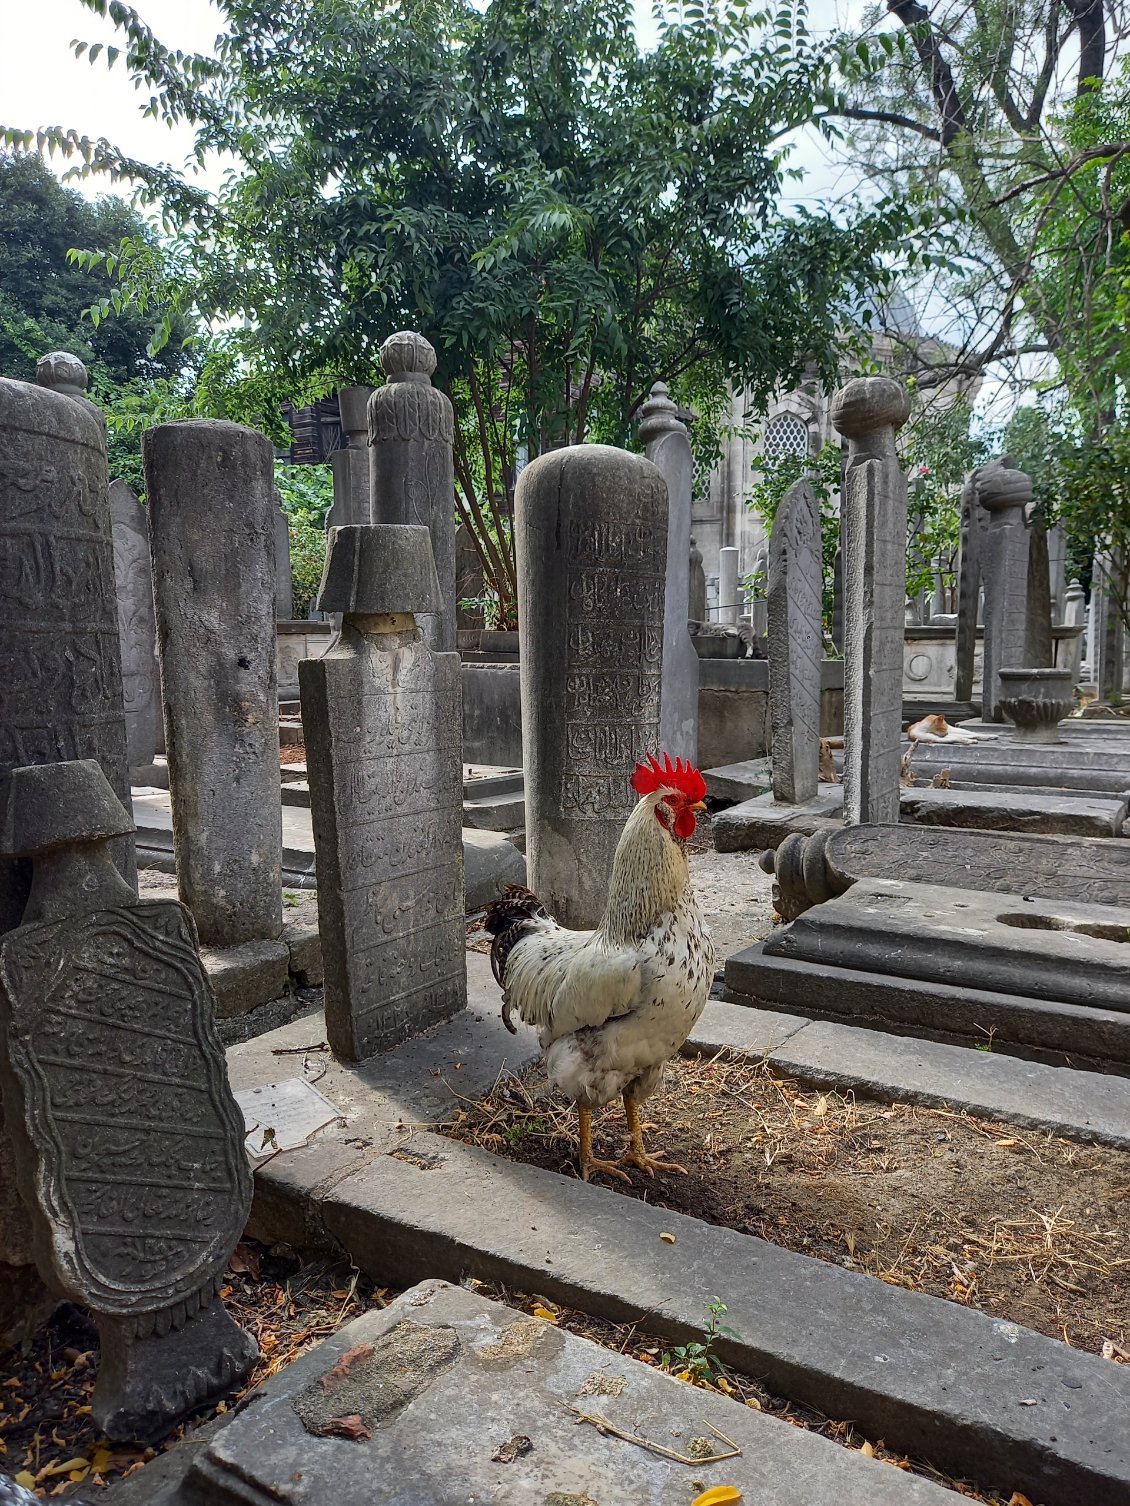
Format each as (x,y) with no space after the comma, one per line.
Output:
(128,1142)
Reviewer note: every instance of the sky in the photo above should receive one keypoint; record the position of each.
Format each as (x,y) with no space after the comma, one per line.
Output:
(42,83)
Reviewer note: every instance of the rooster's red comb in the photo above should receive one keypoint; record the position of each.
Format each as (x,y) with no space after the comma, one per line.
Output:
(684,777)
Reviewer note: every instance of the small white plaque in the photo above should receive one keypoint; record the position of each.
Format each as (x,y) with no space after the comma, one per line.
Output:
(283,1116)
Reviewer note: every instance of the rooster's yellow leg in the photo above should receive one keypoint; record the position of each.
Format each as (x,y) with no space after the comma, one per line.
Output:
(589,1164)
(635,1155)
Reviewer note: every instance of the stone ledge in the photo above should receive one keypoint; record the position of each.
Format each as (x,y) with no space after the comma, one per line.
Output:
(243,977)
(1078,1105)
(971,1393)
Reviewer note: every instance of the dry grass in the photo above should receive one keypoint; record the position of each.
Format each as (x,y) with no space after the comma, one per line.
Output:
(1020,1224)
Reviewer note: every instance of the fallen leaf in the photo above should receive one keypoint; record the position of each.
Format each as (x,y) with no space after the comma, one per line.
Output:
(1009,1140)
(867,1449)
(507,1452)
(718,1495)
(62,1468)
(341,1370)
(245,1262)
(1016,1499)
(544,1312)
(820,1108)
(26,1479)
(668,1239)
(350,1427)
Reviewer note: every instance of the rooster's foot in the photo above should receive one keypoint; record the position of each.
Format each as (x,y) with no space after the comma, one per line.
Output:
(593,1167)
(649,1164)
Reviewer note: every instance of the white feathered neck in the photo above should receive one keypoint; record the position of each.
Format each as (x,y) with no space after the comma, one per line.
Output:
(649,875)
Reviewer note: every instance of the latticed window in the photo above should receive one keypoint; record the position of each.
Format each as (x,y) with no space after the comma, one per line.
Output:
(785,435)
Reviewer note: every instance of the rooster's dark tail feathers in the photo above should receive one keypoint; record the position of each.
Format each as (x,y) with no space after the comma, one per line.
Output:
(507,920)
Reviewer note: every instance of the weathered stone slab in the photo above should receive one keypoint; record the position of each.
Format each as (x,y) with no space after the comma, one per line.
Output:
(1073,1035)
(1095,871)
(382,717)
(868,411)
(60,658)
(591,544)
(128,1145)
(211,518)
(930,1377)
(667,445)
(1017,810)
(1065,951)
(1070,765)
(411,469)
(764,822)
(740,781)
(137,627)
(795,647)
(452,1377)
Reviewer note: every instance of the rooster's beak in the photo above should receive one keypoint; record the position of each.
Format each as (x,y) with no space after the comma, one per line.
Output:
(699,805)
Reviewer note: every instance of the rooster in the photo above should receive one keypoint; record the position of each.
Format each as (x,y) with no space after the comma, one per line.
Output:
(615,1004)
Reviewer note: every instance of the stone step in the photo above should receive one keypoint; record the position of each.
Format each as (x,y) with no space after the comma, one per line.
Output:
(489,859)
(974,1394)
(472,1374)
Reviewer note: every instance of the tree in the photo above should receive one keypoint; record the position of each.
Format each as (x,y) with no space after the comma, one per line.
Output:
(44,294)
(565,217)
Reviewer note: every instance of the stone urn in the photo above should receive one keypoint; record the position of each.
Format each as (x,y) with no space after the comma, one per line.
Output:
(1036,701)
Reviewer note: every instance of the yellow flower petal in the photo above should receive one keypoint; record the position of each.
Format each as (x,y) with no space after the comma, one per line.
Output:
(718,1495)
(544,1312)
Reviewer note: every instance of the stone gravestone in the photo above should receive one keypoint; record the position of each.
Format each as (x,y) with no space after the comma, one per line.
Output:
(1039,649)
(668,447)
(1004,492)
(867,412)
(127,1140)
(411,469)
(973,524)
(697,594)
(590,533)
(1108,632)
(1075,615)
(60,658)
(729,594)
(211,520)
(795,589)
(350,464)
(284,583)
(383,721)
(137,628)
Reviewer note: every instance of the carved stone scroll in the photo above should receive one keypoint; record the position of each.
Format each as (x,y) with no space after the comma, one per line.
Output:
(128,1143)
(591,542)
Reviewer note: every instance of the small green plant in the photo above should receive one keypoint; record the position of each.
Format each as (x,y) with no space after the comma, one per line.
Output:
(696,1362)
(518,1132)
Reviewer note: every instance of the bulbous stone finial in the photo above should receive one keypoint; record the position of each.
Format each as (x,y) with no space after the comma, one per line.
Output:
(659,415)
(868,403)
(59,371)
(408,357)
(1002,485)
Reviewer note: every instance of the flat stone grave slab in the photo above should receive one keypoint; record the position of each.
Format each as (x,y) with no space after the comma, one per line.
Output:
(455,1398)
(739,781)
(1062,1035)
(1098,765)
(764,822)
(1064,951)
(973,1393)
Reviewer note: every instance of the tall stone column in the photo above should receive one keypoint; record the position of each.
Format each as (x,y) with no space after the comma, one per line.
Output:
(668,447)
(1107,655)
(211,519)
(60,658)
(795,644)
(1039,650)
(137,627)
(284,581)
(1004,492)
(729,606)
(868,412)
(411,469)
(973,524)
(590,532)
(697,594)
(382,715)
(1075,615)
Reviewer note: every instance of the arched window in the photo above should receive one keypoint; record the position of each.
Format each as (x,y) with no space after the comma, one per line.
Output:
(785,435)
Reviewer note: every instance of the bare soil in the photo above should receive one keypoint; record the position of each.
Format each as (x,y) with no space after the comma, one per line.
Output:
(1021,1225)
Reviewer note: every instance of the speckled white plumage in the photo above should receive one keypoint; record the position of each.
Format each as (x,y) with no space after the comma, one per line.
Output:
(614,1005)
